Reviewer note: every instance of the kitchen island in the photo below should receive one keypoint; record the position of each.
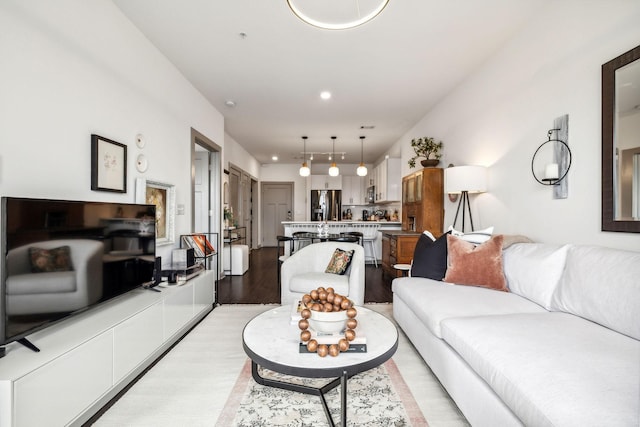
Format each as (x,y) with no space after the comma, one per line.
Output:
(367,228)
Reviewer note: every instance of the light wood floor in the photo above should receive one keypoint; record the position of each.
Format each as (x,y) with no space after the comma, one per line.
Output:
(259,285)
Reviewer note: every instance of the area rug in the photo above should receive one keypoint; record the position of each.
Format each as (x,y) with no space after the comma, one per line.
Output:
(378,397)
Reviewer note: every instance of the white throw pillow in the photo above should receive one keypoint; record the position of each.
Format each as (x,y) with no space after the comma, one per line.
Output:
(475,237)
(533,270)
(429,235)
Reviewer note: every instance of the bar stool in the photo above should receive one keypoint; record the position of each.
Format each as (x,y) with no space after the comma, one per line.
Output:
(369,236)
(357,234)
(303,238)
(281,244)
(345,238)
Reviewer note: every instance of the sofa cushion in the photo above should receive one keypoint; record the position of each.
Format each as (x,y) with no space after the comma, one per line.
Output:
(430,257)
(533,270)
(553,369)
(340,261)
(476,265)
(512,239)
(306,282)
(433,301)
(602,285)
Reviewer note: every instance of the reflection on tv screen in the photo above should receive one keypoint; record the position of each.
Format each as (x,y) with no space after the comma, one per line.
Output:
(62,257)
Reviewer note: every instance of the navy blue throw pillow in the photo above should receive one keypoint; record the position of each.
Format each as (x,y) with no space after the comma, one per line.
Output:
(430,257)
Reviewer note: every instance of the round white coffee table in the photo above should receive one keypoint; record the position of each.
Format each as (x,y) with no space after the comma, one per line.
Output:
(272,340)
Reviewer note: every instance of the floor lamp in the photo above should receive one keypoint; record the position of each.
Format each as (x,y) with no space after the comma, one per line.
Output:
(464,180)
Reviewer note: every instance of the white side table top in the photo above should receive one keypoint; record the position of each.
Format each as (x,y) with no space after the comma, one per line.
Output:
(272,341)
(403,267)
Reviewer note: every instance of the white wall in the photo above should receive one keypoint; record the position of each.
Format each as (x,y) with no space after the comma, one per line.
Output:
(235,154)
(502,114)
(71,68)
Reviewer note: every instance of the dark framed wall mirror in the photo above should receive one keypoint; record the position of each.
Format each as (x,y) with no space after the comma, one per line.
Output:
(621,143)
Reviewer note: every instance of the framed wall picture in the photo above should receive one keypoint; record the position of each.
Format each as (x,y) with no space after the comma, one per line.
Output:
(108,165)
(163,196)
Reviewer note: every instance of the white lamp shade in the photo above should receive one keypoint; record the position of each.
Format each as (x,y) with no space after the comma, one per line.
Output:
(362,170)
(333,170)
(472,179)
(305,170)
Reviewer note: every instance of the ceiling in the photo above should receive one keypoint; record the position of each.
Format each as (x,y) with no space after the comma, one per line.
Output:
(385,74)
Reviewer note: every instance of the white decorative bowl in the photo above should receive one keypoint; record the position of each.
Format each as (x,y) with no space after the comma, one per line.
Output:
(328,322)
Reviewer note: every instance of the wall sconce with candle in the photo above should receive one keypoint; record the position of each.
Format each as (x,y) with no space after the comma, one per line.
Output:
(551,161)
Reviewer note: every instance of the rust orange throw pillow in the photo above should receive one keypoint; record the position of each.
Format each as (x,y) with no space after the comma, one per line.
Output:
(476,265)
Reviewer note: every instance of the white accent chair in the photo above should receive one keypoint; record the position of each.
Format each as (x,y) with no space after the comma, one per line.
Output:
(305,270)
(56,292)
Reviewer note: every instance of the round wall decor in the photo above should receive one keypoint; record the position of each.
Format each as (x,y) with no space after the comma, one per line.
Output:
(141,163)
(140,141)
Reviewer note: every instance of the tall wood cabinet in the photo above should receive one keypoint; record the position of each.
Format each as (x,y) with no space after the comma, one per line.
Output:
(397,248)
(423,201)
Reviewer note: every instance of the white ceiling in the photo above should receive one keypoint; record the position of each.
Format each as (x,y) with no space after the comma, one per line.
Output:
(387,73)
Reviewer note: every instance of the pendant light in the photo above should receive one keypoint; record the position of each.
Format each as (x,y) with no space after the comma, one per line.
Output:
(362,169)
(333,170)
(304,169)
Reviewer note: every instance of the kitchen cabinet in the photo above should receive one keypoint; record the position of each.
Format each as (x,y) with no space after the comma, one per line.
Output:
(387,178)
(326,182)
(397,248)
(423,201)
(352,190)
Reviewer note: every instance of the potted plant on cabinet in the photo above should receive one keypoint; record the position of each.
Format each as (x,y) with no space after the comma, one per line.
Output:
(428,148)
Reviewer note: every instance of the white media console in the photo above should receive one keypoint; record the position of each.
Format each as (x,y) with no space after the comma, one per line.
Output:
(87,359)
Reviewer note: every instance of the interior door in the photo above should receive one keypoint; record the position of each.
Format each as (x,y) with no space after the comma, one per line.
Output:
(277,205)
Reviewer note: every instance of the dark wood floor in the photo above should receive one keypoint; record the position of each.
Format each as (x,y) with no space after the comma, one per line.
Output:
(259,285)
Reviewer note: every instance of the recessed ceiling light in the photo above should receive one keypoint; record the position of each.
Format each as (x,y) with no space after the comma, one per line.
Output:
(229,103)
(325,95)
(274,158)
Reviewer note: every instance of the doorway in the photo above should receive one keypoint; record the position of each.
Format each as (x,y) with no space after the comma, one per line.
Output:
(206,189)
(277,206)
(241,186)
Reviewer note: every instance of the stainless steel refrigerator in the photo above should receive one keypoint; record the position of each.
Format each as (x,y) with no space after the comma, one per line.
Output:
(326,205)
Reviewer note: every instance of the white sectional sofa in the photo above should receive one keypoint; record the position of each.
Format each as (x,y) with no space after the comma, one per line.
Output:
(561,348)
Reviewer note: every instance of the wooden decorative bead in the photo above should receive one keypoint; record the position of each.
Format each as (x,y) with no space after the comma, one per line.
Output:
(352,323)
(322,350)
(303,324)
(312,346)
(349,334)
(334,350)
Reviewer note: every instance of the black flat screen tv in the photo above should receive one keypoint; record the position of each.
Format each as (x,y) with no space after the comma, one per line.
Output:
(61,258)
